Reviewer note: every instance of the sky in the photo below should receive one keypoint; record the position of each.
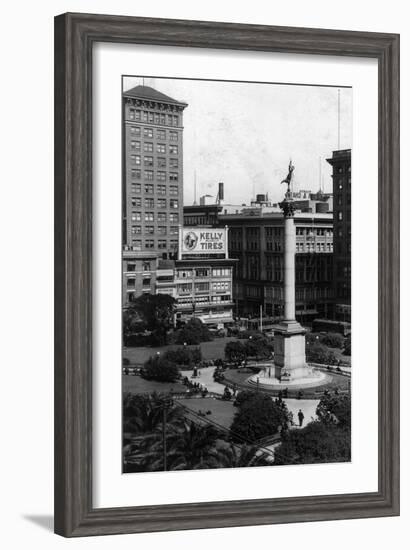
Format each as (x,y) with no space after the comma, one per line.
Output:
(245,134)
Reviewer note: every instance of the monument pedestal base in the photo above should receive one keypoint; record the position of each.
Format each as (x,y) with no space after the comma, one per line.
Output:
(289,347)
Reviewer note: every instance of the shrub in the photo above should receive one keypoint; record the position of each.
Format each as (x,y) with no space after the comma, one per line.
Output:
(259,347)
(193,332)
(235,352)
(160,369)
(315,443)
(184,356)
(317,353)
(348,347)
(332,340)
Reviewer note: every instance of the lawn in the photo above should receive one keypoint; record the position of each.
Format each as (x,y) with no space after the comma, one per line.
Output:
(222,412)
(136,384)
(210,350)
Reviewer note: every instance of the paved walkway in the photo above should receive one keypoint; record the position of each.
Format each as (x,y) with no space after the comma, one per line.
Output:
(308,407)
(206,379)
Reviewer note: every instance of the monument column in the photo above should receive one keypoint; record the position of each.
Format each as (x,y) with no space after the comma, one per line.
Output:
(289,266)
(289,341)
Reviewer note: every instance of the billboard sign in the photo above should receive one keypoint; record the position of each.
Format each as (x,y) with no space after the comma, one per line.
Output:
(207,241)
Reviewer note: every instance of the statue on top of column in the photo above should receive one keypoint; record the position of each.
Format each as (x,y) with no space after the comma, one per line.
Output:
(289,177)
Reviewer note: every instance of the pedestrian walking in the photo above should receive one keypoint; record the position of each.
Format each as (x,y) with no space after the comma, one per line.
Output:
(301,417)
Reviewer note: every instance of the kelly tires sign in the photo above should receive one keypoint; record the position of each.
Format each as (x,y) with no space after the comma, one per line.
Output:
(203,241)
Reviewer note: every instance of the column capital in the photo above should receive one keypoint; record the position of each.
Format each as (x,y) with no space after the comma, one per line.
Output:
(287,207)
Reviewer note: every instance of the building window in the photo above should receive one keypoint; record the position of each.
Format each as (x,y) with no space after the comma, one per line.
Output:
(149,203)
(162,203)
(162,230)
(148,161)
(174,230)
(173,245)
(161,148)
(161,190)
(146,281)
(149,243)
(162,162)
(136,174)
(148,132)
(340,216)
(136,159)
(131,282)
(135,230)
(146,266)
(173,189)
(135,188)
(131,266)
(149,188)
(162,216)
(174,218)
(149,216)
(173,149)
(148,175)
(135,131)
(173,203)
(173,163)
(136,145)
(136,244)
(136,216)
(149,229)
(148,147)
(136,201)
(135,114)
(162,244)
(176,119)
(161,176)
(173,176)
(160,134)
(173,136)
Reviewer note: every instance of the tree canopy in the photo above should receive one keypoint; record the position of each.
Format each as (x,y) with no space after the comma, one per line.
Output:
(259,416)
(156,311)
(193,332)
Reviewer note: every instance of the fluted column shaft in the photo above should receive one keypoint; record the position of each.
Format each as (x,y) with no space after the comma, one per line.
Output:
(289,268)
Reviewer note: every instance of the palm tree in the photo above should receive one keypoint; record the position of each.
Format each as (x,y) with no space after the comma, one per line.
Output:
(244,456)
(189,447)
(194,447)
(143,425)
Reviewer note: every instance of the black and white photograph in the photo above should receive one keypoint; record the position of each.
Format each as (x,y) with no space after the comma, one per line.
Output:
(236,274)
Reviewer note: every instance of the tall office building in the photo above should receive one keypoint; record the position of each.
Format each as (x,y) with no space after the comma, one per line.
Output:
(152,185)
(341,164)
(152,171)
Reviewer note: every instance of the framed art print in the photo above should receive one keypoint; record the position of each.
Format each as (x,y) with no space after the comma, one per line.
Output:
(226,274)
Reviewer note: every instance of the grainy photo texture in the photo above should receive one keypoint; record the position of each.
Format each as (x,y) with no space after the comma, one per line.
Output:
(236,263)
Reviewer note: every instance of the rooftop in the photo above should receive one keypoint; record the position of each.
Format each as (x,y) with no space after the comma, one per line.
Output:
(146,92)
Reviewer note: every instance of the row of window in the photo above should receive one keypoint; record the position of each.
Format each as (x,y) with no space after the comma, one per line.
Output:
(312,247)
(186,288)
(149,161)
(149,133)
(149,189)
(150,243)
(204,272)
(311,232)
(150,203)
(151,230)
(150,217)
(153,118)
(148,147)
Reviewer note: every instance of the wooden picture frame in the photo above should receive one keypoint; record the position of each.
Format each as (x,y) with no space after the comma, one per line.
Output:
(75,35)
